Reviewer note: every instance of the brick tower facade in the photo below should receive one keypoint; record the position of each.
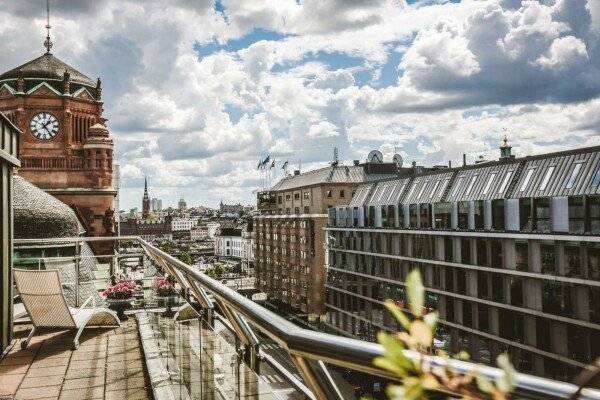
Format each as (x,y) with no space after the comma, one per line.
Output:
(64,147)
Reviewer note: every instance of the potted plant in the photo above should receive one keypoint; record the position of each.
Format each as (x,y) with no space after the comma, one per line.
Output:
(406,356)
(163,287)
(165,293)
(120,295)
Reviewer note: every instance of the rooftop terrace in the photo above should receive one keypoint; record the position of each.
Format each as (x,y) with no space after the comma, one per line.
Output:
(204,342)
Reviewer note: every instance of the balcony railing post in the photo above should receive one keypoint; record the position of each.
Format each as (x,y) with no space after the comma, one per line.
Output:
(77,265)
(246,335)
(317,377)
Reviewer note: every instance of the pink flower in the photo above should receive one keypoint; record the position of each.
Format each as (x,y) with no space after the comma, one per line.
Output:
(162,284)
(121,289)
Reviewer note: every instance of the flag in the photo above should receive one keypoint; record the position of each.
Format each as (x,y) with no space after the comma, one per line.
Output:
(266,161)
(262,163)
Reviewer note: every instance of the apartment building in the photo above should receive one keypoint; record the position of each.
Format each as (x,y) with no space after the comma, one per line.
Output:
(183,223)
(234,243)
(509,252)
(290,235)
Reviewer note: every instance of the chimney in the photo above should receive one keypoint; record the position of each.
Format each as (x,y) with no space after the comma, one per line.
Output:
(356,162)
(450,164)
(464,160)
(296,172)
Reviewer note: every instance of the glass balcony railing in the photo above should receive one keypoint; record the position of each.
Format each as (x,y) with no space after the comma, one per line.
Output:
(204,340)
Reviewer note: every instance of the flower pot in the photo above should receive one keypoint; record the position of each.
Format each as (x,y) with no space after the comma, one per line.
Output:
(120,306)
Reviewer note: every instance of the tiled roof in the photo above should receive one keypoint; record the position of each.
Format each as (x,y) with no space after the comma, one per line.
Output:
(565,173)
(331,174)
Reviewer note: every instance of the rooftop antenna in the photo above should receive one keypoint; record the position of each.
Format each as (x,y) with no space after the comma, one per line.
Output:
(48,42)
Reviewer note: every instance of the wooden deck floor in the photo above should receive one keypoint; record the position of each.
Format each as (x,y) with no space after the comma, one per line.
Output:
(107,365)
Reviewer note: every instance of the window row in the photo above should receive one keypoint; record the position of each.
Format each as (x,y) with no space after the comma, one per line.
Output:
(574,214)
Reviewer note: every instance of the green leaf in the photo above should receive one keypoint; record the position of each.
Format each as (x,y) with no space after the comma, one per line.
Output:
(413,389)
(506,382)
(431,320)
(484,384)
(395,392)
(394,351)
(415,292)
(398,314)
(389,365)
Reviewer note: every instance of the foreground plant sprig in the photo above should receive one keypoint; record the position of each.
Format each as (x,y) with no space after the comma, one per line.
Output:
(417,374)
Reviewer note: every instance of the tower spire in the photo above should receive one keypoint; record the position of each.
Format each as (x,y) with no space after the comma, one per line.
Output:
(145,200)
(48,42)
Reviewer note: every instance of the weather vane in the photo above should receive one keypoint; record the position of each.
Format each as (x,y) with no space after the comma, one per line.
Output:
(48,42)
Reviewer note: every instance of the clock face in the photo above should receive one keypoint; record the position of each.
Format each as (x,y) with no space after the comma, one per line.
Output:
(44,126)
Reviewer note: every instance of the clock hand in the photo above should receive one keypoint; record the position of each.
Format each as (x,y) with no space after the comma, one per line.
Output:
(46,127)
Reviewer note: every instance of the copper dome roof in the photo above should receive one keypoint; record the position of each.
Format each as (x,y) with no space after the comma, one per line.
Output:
(47,67)
(39,215)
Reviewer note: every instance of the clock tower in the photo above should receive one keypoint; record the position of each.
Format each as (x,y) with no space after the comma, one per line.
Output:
(64,145)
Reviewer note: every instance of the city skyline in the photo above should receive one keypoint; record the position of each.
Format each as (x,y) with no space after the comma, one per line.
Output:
(294,80)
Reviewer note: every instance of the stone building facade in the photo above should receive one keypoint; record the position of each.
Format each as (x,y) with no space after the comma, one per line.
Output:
(289,237)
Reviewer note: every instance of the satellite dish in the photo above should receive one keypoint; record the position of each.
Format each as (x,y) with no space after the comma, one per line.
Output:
(398,160)
(375,156)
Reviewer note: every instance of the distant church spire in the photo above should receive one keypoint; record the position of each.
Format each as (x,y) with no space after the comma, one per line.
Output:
(48,42)
(145,201)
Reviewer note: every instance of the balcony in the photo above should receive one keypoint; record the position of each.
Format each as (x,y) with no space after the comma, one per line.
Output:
(206,341)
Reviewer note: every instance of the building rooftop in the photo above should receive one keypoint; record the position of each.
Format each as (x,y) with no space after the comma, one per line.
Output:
(47,66)
(564,173)
(330,174)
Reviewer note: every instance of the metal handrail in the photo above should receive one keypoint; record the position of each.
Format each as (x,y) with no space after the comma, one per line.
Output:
(317,347)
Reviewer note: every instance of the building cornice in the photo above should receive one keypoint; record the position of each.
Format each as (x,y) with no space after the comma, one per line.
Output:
(557,237)
(290,216)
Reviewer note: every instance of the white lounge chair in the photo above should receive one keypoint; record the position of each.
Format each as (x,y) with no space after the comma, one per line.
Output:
(42,295)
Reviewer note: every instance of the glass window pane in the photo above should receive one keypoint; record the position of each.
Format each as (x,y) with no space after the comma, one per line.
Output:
(443,187)
(573,176)
(434,188)
(596,180)
(547,177)
(412,189)
(505,182)
(460,180)
(526,180)
(489,183)
(423,189)
(473,179)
